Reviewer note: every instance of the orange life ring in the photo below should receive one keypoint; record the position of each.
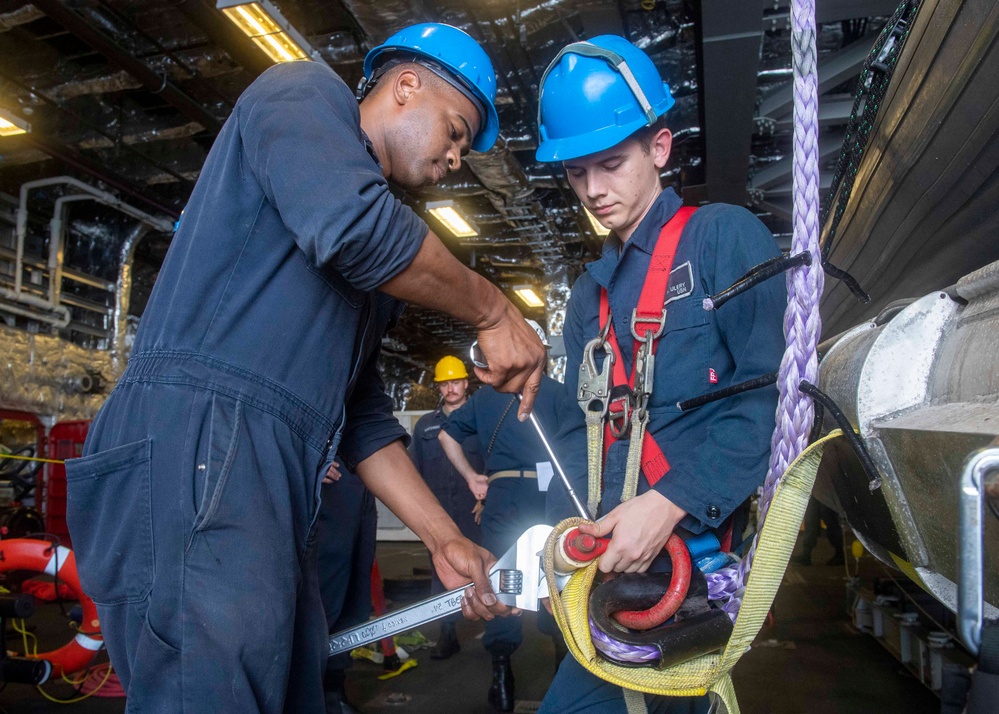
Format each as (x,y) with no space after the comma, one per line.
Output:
(44,557)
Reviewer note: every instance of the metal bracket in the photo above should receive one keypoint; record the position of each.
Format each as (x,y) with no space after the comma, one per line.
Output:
(970,547)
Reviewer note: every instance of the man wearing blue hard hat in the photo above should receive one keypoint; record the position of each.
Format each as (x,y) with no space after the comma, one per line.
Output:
(655,468)
(193,510)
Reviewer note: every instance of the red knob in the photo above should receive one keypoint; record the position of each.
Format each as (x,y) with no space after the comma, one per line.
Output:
(583,546)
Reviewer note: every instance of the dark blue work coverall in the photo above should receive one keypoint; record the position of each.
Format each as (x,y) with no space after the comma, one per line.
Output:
(193,509)
(718,454)
(445,482)
(512,504)
(345,537)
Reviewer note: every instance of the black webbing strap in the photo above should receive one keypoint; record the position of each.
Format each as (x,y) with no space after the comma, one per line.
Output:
(984,695)
(988,653)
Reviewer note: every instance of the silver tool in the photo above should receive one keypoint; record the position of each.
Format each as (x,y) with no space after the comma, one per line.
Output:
(517,579)
(479,360)
(583,513)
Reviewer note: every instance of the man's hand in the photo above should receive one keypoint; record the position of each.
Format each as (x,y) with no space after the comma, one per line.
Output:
(390,475)
(436,279)
(332,473)
(479,486)
(641,528)
(459,561)
(515,356)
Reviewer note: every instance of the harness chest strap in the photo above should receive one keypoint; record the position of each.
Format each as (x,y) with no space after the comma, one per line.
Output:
(648,320)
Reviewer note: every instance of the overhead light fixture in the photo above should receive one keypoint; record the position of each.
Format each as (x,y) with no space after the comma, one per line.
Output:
(529,296)
(446,213)
(263,23)
(11,125)
(598,229)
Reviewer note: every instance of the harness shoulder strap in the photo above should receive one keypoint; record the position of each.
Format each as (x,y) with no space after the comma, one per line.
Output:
(648,321)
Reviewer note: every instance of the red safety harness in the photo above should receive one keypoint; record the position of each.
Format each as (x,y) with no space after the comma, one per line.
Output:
(647,324)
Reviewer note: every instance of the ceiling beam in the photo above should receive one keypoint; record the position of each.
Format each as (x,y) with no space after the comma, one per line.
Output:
(829,10)
(780,211)
(832,70)
(787,187)
(729,59)
(777,173)
(834,110)
(153,81)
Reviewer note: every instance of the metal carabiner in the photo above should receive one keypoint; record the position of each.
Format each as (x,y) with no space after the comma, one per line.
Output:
(593,392)
(645,374)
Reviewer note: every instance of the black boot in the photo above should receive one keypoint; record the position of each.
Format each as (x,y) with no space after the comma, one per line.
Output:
(501,691)
(447,643)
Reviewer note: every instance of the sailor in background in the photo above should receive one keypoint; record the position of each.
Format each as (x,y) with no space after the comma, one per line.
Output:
(517,472)
(455,494)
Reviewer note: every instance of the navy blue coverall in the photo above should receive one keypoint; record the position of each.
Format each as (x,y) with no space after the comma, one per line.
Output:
(718,454)
(512,504)
(193,509)
(445,482)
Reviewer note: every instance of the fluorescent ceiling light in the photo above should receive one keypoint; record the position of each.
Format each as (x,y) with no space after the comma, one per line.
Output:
(11,125)
(446,213)
(530,298)
(599,229)
(263,23)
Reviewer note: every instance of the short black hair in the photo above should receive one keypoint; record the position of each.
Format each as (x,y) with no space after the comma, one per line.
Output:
(644,135)
(383,77)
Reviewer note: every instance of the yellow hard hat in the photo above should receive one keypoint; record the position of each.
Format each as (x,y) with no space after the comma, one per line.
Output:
(449,368)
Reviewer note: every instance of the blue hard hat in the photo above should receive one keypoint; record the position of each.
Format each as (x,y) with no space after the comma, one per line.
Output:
(594,95)
(460,55)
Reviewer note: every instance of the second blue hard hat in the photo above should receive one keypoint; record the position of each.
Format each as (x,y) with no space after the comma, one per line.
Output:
(594,95)
(460,55)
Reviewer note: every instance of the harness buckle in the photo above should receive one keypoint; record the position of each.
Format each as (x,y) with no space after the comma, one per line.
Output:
(619,420)
(594,389)
(659,324)
(645,374)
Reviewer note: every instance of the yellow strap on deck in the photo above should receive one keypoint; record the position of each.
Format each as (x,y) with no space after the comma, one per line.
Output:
(708,673)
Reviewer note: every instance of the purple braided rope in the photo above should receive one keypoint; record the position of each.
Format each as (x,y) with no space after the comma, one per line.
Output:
(802,324)
(621,652)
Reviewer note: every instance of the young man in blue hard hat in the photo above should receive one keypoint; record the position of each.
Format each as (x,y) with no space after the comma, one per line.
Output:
(602,116)
(193,509)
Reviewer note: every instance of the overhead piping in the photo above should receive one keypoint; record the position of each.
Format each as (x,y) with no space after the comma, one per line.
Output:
(60,314)
(123,297)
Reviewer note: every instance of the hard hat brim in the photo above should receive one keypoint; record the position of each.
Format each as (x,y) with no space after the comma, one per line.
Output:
(487,135)
(574,147)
